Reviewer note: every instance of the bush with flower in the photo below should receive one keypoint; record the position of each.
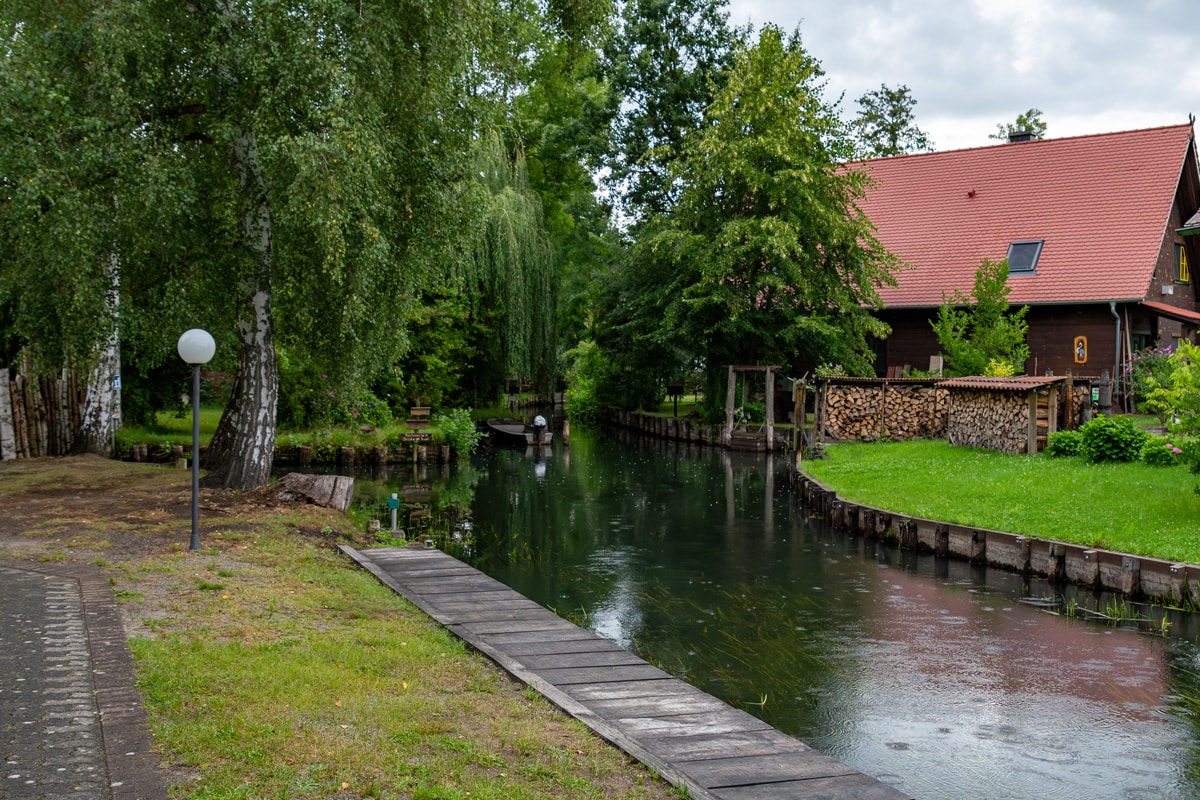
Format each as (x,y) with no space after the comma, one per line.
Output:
(1175,398)
(1160,452)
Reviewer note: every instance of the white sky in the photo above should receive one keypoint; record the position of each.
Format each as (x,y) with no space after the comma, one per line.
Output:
(1091,66)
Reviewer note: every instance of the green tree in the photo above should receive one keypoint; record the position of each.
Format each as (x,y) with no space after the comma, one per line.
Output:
(977,334)
(664,66)
(767,257)
(63,173)
(556,116)
(267,170)
(1029,122)
(1174,393)
(510,273)
(885,125)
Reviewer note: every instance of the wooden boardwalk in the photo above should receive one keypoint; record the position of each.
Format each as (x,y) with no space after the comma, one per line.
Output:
(689,737)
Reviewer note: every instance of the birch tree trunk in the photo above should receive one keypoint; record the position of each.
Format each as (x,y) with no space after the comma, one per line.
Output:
(102,402)
(241,451)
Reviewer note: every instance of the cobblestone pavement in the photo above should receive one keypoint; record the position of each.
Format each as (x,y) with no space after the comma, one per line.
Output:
(72,725)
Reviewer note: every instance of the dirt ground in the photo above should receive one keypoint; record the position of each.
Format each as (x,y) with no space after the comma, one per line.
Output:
(114,515)
(127,510)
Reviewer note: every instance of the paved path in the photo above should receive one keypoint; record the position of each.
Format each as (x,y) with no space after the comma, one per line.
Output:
(72,725)
(689,737)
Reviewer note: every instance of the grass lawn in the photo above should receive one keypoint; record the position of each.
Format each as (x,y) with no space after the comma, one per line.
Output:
(170,428)
(1133,508)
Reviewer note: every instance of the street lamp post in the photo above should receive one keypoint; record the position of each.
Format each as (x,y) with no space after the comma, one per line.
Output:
(196,347)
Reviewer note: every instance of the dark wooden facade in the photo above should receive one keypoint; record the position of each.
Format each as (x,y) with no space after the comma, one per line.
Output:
(1053,331)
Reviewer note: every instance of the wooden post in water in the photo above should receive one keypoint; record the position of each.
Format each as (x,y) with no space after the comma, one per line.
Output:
(727,431)
(770,409)
(799,396)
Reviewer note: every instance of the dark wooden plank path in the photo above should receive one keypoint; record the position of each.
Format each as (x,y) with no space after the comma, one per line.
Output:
(688,736)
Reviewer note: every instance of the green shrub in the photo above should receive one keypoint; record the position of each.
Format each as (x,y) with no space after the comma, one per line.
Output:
(458,429)
(1160,452)
(1112,439)
(585,368)
(364,408)
(1064,444)
(1149,369)
(1190,445)
(1000,368)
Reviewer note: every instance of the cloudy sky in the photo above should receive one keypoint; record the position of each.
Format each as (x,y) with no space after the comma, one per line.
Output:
(1091,66)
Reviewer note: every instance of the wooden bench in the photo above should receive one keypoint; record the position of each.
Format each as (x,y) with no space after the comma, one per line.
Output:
(418,418)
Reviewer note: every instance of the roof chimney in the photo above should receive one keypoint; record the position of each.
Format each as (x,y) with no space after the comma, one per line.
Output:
(1021,136)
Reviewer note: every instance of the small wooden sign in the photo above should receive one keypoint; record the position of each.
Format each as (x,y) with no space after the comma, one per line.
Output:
(1080,349)
(416,437)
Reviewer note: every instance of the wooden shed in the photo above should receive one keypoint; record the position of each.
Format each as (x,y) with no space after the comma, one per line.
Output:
(1012,415)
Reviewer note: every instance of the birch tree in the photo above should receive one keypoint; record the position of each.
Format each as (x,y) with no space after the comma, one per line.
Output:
(285,170)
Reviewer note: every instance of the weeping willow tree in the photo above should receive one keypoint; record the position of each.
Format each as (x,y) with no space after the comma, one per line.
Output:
(510,273)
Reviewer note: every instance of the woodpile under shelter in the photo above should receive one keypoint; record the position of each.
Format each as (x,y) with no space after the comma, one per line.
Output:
(1012,415)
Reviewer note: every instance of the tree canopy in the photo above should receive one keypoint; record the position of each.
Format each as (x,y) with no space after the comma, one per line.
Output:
(885,125)
(664,64)
(767,257)
(401,199)
(1028,122)
(270,171)
(978,335)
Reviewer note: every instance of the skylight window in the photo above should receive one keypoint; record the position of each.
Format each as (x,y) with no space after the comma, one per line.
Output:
(1023,257)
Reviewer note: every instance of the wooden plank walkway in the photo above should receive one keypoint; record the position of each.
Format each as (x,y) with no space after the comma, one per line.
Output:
(688,736)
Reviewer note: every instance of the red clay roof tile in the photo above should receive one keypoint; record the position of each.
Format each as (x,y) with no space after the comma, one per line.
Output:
(1101,203)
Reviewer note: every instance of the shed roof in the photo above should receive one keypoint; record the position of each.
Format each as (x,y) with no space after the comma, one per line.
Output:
(1019,383)
(1173,312)
(1101,204)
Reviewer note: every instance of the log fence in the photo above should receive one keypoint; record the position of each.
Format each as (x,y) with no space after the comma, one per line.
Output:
(39,415)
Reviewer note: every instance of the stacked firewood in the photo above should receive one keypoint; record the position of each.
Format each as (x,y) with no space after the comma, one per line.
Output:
(871,412)
(993,420)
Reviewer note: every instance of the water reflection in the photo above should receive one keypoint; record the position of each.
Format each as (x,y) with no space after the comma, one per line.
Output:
(923,672)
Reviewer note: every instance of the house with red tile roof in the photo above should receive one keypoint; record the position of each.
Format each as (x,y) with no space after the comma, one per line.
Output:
(1096,229)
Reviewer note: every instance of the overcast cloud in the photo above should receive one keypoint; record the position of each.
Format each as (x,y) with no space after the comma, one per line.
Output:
(1091,66)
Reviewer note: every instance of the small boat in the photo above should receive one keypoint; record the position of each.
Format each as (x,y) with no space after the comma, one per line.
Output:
(515,431)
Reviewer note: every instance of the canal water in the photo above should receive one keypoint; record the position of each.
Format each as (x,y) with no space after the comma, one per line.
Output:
(943,679)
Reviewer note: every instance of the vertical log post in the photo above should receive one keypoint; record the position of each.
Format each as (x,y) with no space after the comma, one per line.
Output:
(770,409)
(8,443)
(727,431)
(1031,410)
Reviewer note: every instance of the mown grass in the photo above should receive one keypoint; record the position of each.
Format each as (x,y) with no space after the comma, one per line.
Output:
(1134,508)
(305,677)
(170,428)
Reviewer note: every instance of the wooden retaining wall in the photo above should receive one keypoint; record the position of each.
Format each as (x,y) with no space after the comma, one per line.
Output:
(1134,576)
(672,428)
(39,416)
